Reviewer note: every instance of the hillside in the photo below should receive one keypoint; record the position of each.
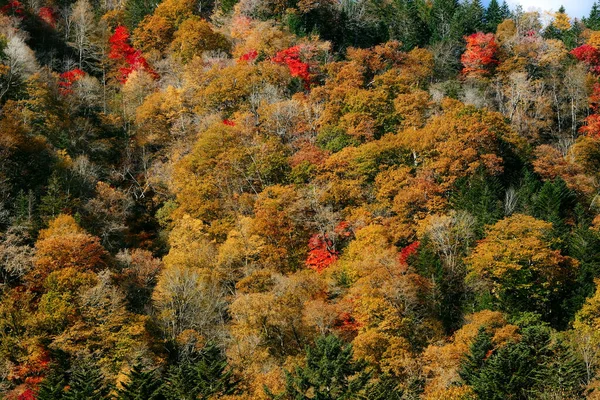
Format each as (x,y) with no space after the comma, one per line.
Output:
(297,199)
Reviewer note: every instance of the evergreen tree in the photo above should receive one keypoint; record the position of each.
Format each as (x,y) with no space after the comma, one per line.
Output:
(493,16)
(205,376)
(330,373)
(87,383)
(441,19)
(468,19)
(53,386)
(386,388)
(474,361)
(593,21)
(136,10)
(55,200)
(406,23)
(505,11)
(141,385)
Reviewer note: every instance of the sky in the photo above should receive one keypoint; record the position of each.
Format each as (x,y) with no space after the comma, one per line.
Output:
(575,8)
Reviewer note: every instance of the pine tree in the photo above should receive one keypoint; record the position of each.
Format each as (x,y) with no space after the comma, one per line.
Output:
(471,366)
(329,367)
(52,387)
(493,16)
(593,21)
(467,19)
(386,388)
(87,383)
(55,199)
(207,375)
(505,11)
(442,17)
(141,385)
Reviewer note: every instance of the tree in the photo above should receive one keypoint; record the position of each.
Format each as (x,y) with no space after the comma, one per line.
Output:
(529,365)
(53,386)
(479,58)
(330,373)
(125,56)
(196,36)
(140,385)
(205,375)
(86,382)
(83,26)
(518,266)
(493,16)
(593,20)
(65,245)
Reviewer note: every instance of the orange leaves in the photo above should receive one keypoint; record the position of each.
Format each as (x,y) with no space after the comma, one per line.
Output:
(321,253)
(480,56)
(65,245)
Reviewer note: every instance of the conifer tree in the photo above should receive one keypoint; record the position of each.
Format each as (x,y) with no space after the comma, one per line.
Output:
(493,16)
(141,385)
(330,373)
(53,386)
(593,21)
(207,375)
(87,383)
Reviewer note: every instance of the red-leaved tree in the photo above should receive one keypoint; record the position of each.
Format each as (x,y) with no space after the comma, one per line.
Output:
(407,252)
(321,253)
(479,58)
(589,55)
(14,8)
(47,15)
(128,58)
(67,79)
(298,68)
(249,56)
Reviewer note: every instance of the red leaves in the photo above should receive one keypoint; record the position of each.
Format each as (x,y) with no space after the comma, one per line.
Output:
(346,322)
(480,56)
(298,69)
(27,395)
(407,252)
(14,8)
(130,58)
(67,79)
(589,55)
(592,126)
(228,122)
(249,56)
(321,253)
(48,15)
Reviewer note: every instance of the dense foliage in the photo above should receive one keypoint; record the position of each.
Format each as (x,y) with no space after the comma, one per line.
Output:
(284,199)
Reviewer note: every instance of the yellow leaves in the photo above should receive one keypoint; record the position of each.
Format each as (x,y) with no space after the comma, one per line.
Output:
(196,36)
(154,33)
(156,116)
(561,21)
(594,39)
(228,87)
(190,245)
(516,258)
(264,37)
(60,226)
(411,108)
(442,361)
(550,163)
(175,11)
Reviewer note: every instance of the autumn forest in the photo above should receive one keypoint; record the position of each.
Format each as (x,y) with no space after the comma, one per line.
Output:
(298,199)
